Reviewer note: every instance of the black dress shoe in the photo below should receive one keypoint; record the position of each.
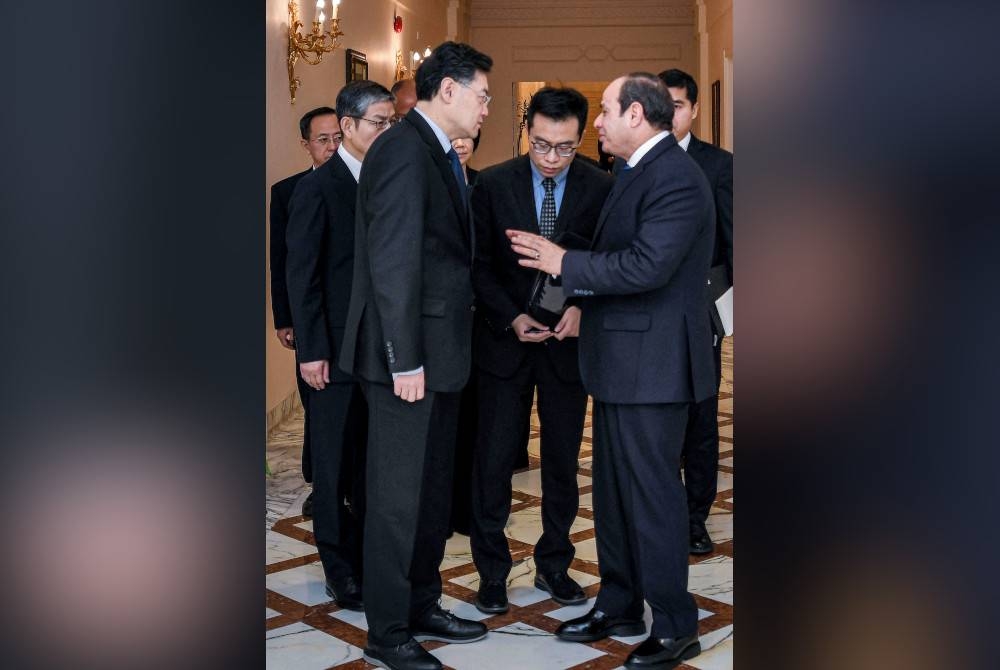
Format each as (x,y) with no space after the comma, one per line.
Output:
(346,592)
(307,506)
(408,656)
(492,597)
(596,625)
(564,590)
(664,652)
(444,626)
(701,543)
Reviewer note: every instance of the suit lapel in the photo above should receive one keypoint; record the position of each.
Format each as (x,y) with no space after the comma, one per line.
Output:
(572,198)
(345,186)
(523,193)
(625,179)
(444,168)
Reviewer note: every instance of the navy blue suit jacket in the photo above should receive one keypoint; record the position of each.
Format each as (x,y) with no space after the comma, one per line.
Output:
(645,335)
(281,195)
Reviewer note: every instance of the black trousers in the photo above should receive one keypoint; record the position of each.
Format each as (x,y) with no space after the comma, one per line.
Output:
(410,460)
(465,443)
(339,433)
(504,413)
(700,455)
(640,515)
(304,390)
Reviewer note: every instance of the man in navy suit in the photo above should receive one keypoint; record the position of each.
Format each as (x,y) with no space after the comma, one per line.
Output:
(320,131)
(701,441)
(320,266)
(408,337)
(645,357)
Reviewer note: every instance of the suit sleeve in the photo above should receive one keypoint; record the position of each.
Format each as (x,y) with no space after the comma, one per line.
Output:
(670,221)
(395,208)
(279,291)
(724,211)
(491,297)
(306,230)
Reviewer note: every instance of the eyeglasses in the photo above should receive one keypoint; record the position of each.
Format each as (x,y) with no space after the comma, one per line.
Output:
(380,125)
(323,140)
(484,99)
(543,148)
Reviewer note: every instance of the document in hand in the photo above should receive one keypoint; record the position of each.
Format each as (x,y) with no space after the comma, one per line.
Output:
(720,292)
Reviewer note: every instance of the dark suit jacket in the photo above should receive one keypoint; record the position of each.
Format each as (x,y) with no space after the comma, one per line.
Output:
(645,336)
(320,268)
(412,301)
(504,198)
(717,164)
(281,194)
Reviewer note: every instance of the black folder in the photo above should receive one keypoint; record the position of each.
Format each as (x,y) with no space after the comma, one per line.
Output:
(546,301)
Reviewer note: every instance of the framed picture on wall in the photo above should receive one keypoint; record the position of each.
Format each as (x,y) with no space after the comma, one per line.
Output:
(357,65)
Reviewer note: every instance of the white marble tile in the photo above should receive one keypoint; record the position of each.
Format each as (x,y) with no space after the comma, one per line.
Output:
(720,527)
(727,461)
(587,550)
(516,646)
(301,647)
(305,525)
(356,619)
(727,431)
(270,613)
(716,637)
(530,481)
(726,406)
(587,501)
(712,578)
(526,525)
(521,589)
(725,481)
(457,551)
(647,617)
(719,657)
(571,612)
(281,548)
(295,508)
(305,584)
(462,609)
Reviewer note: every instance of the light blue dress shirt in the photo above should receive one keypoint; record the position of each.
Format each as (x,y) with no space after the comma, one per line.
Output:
(557,192)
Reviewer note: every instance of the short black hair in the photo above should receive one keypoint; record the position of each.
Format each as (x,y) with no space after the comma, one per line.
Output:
(559,104)
(450,59)
(400,84)
(675,78)
(355,98)
(307,118)
(652,95)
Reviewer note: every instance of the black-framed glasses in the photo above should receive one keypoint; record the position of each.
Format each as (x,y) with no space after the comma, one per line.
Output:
(484,99)
(323,140)
(543,148)
(380,125)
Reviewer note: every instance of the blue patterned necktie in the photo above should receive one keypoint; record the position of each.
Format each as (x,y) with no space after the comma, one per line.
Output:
(456,167)
(547,219)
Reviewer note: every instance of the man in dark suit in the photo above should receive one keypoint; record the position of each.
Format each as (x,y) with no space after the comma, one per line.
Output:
(321,136)
(645,286)
(550,193)
(408,338)
(320,268)
(701,441)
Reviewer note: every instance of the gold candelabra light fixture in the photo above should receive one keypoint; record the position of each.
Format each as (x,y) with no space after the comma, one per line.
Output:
(311,46)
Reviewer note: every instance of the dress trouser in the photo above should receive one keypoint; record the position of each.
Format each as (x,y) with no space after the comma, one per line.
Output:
(304,390)
(409,466)
(640,515)
(700,455)
(504,412)
(339,421)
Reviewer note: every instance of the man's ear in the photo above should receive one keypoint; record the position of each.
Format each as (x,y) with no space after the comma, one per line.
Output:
(694,111)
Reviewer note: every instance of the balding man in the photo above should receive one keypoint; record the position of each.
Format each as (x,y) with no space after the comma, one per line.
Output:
(405,91)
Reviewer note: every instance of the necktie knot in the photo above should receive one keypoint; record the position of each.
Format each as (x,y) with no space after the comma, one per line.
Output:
(548,184)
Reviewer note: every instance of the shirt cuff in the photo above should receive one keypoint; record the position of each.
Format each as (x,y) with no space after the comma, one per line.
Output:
(407,373)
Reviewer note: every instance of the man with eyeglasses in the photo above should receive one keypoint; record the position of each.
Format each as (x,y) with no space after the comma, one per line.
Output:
(408,338)
(320,269)
(320,132)
(549,193)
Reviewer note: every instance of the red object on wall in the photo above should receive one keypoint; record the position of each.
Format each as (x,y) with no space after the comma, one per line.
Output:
(397,23)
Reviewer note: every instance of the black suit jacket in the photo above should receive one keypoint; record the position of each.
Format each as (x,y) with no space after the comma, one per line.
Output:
(717,164)
(320,267)
(645,336)
(504,199)
(281,195)
(411,303)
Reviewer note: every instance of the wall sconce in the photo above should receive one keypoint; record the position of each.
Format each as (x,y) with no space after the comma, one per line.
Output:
(427,51)
(311,46)
(416,57)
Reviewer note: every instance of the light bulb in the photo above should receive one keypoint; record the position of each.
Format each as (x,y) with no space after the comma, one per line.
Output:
(416,57)
(320,4)
(427,52)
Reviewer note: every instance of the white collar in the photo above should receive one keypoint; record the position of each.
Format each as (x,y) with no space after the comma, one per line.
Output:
(352,163)
(646,146)
(685,142)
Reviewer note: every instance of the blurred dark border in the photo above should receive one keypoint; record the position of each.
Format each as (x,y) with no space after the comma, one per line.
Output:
(133,297)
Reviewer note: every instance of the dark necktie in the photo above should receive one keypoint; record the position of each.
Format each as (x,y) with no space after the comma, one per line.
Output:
(547,220)
(456,167)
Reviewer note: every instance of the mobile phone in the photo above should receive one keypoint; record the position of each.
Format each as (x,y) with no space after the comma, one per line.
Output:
(536,330)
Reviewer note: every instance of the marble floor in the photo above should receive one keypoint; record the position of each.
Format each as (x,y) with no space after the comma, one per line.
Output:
(306,631)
